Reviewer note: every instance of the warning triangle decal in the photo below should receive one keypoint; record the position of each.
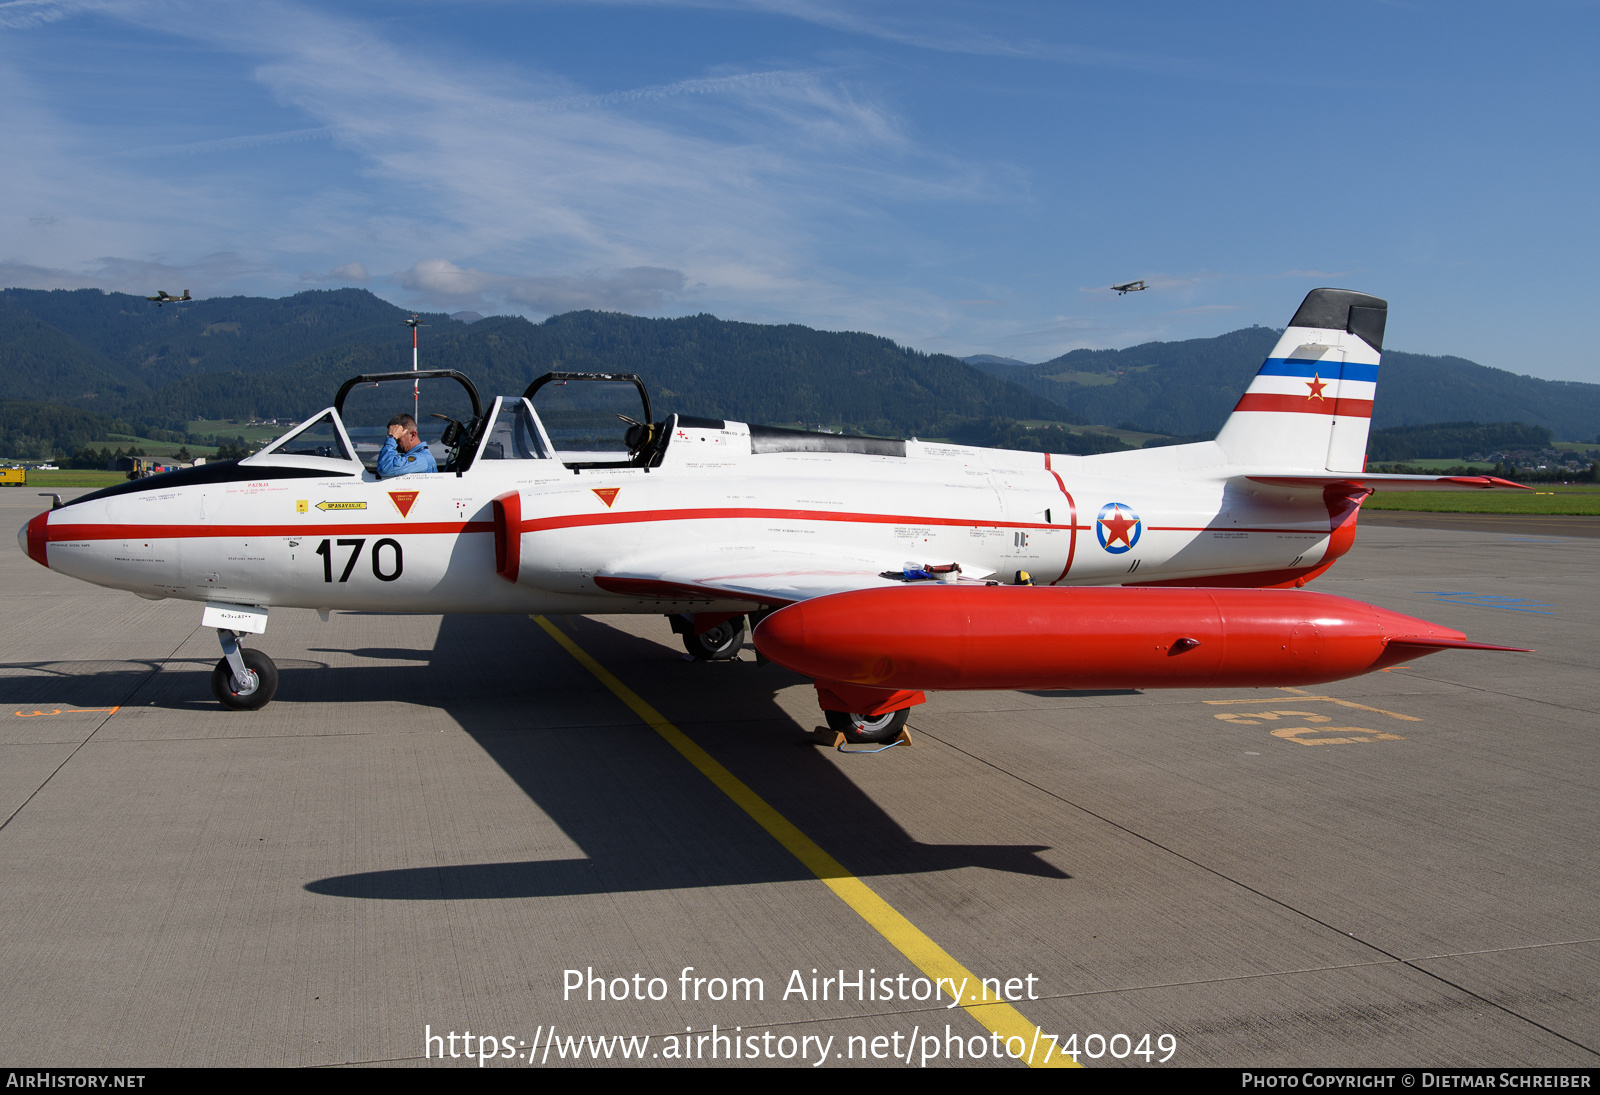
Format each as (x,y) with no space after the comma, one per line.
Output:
(607,494)
(403,500)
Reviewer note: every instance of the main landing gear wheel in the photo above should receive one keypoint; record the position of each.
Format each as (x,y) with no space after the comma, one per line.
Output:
(868,729)
(264,682)
(718,644)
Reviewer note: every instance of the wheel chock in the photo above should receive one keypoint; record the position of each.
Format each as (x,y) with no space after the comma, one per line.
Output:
(829,738)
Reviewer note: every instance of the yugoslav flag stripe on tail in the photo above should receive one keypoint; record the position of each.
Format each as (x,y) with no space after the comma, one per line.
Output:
(1295,404)
(1310,405)
(1309,366)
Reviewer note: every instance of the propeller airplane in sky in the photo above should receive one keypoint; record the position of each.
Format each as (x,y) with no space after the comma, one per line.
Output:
(164,297)
(880,568)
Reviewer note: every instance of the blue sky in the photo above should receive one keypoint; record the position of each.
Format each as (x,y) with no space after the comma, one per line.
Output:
(961,177)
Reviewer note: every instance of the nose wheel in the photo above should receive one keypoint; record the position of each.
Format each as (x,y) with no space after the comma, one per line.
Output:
(244,680)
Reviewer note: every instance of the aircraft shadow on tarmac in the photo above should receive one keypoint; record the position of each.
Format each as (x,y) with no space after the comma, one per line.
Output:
(643,817)
(83,684)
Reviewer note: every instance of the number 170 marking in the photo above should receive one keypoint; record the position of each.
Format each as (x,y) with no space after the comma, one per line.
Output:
(326,549)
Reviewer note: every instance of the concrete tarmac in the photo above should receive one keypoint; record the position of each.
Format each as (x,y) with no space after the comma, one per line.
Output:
(437,818)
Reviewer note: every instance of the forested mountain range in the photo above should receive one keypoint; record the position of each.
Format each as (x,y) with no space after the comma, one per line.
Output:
(242,357)
(115,358)
(1187,388)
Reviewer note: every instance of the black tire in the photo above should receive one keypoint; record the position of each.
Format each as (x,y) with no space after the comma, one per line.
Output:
(719,644)
(266,672)
(868,729)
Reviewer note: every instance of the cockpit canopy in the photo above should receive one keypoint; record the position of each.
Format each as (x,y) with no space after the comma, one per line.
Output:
(583,420)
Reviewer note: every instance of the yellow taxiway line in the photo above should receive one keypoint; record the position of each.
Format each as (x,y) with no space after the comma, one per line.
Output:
(932,959)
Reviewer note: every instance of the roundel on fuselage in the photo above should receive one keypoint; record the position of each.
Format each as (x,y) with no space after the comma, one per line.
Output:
(1118,527)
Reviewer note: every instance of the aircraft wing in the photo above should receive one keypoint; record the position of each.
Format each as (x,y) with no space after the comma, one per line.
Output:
(759,574)
(1389,482)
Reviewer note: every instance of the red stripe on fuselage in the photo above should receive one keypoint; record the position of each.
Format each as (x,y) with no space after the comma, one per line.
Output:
(1072,519)
(577,520)
(58,533)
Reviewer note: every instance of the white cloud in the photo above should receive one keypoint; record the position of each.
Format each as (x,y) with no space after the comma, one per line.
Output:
(639,289)
(17,14)
(729,192)
(347,274)
(231,144)
(127,275)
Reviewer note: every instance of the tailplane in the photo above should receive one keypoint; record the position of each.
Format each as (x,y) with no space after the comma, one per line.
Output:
(1310,406)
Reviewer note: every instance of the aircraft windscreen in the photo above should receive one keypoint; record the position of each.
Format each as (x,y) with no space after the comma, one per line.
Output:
(513,435)
(319,438)
(369,408)
(582,416)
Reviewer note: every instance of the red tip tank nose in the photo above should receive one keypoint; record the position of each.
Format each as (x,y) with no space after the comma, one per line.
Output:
(31,539)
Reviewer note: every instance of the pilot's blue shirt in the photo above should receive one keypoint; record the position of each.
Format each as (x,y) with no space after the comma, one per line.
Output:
(392,462)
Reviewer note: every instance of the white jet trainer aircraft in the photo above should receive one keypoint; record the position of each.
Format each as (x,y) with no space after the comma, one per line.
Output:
(710,521)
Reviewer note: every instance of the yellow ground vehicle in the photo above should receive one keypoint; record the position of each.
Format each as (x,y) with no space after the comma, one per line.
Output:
(13,477)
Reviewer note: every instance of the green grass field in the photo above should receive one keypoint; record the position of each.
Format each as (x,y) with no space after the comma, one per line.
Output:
(1446,465)
(160,450)
(222,427)
(55,480)
(1552,498)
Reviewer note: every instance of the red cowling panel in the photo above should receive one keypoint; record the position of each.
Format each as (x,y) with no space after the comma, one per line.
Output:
(1344,506)
(37,539)
(1002,637)
(508,535)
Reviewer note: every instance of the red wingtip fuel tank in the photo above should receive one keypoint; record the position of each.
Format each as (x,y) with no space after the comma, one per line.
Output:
(941,637)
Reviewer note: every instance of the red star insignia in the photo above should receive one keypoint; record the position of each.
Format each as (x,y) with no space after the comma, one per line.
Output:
(1316,384)
(1117,527)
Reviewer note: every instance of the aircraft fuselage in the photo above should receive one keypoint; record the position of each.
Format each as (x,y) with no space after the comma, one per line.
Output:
(427,543)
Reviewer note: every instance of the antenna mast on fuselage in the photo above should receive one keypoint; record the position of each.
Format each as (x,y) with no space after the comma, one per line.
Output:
(414,322)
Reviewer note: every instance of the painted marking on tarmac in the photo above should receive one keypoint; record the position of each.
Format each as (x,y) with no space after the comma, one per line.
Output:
(1306,697)
(1490,600)
(66,711)
(1347,735)
(906,937)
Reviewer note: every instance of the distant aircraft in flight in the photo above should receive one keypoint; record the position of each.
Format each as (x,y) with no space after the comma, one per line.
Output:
(164,297)
(1130,287)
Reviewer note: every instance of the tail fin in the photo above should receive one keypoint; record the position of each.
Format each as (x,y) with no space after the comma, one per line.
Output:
(1310,406)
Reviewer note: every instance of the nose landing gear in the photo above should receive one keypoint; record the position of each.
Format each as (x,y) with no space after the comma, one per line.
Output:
(244,680)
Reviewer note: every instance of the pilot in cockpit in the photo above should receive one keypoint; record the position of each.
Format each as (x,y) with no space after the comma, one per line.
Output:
(403,453)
